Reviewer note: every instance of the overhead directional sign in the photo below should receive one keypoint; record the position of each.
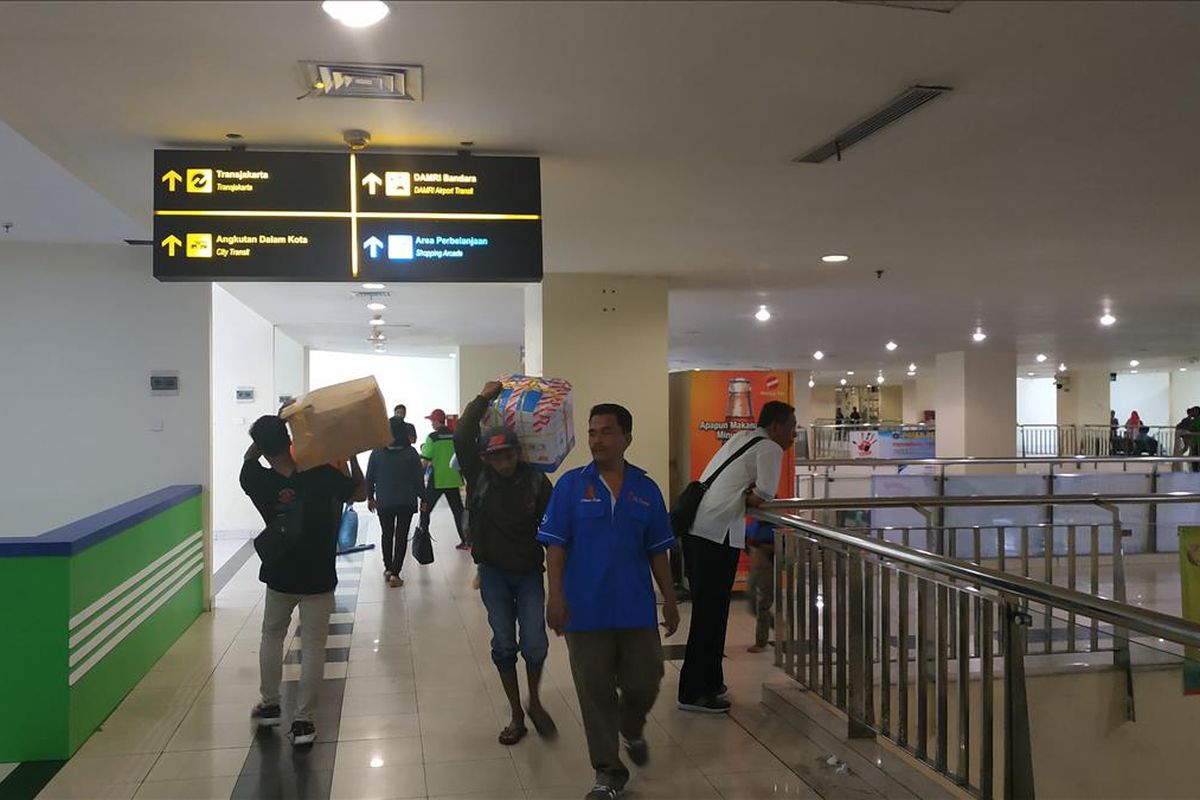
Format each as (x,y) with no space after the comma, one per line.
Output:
(332,216)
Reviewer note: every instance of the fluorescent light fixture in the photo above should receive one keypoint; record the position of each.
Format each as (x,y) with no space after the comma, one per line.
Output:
(843,381)
(835,258)
(356,13)
(978,335)
(1040,358)
(891,346)
(374,287)
(762,315)
(1108,319)
(1133,362)
(376,320)
(818,355)
(376,306)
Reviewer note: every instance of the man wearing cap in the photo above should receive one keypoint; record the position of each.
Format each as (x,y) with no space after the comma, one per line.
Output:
(437,451)
(506,498)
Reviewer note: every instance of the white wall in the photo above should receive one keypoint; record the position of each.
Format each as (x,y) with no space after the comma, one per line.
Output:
(1185,393)
(291,367)
(420,383)
(1037,401)
(1149,393)
(243,355)
(478,364)
(82,327)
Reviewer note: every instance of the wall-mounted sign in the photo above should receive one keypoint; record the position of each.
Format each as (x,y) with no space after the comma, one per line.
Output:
(164,383)
(244,394)
(346,217)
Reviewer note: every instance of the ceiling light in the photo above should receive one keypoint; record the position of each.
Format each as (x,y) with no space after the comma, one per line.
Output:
(811,382)
(1107,319)
(1133,362)
(1062,367)
(1183,369)
(454,355)
(891,346)
(1040,358)
(880,379)
(843,381)
(849,372)
(376,320)
(978,335)
(376,306)
(376,762)
(912,367)
(762,315)
(356,13)
(1030,374)
(818,355)
(374,287)
(912,374)
(1133,372)
(835,258)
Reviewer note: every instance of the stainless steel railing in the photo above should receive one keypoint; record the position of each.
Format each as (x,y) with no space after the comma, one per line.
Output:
(831,440)
(916,646)
(1047,440)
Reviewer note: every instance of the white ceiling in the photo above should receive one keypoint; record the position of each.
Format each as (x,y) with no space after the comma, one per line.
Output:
(1060,175)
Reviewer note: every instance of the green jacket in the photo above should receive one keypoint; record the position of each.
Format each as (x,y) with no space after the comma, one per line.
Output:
(503,514)
(438,449)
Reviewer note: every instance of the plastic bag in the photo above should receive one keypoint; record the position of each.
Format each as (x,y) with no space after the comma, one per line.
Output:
(348,531)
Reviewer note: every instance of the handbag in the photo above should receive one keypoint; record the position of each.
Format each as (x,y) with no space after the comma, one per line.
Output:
(422,546)
(348,530)
(685,507)
(281,533)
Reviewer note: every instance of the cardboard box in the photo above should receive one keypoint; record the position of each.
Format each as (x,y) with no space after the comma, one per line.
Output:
(539,410)
(336,422)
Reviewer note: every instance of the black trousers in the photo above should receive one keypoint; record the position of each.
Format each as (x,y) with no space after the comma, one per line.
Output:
(711,568)
(395,523)
(454,498)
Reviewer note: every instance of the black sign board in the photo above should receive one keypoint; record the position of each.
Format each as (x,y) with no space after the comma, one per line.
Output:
(352,217)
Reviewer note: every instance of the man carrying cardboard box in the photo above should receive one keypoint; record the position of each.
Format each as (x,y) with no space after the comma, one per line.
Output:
(300,574)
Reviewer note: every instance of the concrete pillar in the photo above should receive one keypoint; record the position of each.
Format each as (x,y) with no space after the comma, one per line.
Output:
(1083,396)
(976,403)
(608,336)
(478,364)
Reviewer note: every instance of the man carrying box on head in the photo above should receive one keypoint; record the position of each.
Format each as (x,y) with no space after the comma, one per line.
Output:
(301,572)
(437,450)
(506,499)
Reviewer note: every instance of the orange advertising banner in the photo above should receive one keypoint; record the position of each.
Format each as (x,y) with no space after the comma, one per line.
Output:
(723,403)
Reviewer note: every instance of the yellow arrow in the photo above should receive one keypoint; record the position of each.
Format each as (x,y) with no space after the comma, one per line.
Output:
(372,182)
(171,178)
(171,242)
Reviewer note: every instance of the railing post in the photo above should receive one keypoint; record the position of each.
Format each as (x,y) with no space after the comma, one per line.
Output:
(858,696)
(1122,658)
(1018,749)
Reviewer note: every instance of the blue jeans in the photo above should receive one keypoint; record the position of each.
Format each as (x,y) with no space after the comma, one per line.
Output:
(515,599)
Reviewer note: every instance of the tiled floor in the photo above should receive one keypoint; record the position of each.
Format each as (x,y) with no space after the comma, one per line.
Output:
(411,709)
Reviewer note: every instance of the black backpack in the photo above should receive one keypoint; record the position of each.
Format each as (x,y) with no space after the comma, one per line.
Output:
(683,511)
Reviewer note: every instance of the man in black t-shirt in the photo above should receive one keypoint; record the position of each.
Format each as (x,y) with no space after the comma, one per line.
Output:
(305,575)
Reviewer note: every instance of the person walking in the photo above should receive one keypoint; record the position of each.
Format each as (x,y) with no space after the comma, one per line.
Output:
(749,466)
(395,484)
(606,533)
(445,480)
(400,412)
(302,575)
(760,585)
(506,499)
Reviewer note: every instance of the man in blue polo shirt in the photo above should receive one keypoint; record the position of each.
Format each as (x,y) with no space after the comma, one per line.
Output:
(606,530)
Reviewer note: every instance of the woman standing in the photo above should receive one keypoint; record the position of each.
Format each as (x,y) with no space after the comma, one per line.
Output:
(395,479)
(1133,425)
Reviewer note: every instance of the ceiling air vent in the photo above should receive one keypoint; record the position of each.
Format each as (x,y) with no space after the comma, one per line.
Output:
(370,81)
(910,100)
(939,6)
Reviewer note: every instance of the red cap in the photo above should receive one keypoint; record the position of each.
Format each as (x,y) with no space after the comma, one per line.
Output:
(437,417)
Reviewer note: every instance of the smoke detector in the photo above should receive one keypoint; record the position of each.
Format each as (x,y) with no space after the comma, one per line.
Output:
(364,81)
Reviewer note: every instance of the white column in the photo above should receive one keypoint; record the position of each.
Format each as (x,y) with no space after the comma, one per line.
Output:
(608,336)
(478,364)
(1083,396)
(976,403)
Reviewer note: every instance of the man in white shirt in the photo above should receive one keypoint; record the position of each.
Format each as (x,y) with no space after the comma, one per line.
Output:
(712,548)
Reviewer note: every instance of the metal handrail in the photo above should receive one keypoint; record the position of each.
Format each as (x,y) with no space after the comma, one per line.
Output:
(990,461)
(1121,615)
(980,500)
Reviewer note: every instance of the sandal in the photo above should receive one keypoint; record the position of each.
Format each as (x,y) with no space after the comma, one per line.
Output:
(542,722)
(513,734)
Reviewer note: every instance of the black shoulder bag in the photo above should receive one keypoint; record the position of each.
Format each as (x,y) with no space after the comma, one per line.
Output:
(683,510)
(281,533)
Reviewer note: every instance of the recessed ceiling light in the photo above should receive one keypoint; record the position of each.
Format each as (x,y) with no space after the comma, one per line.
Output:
(1133,362)
(762,315)
(843,381)
(912,374)
(835,258)
(695,369)
(1030,374)
(1062,367)
(376,306)
(376,320)
(818,355)
(1107,319)
(1183,369)
(356,13)
(454,355)
(978,335)
(849,372)
(1040,358)
(891,346)
(912,367)
(811,382)
(373,287)
(1133,372)
(376,762)
(880,379)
